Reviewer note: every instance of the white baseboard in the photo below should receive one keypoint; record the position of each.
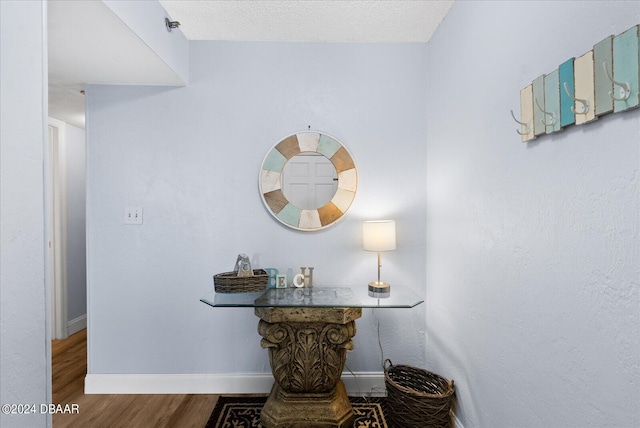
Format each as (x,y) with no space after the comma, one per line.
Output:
(252,383)
(77,324)
(365,384)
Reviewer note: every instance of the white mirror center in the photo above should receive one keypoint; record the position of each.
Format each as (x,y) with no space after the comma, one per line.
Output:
(309,180)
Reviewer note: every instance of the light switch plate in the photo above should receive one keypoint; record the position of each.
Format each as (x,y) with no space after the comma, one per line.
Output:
(133,215)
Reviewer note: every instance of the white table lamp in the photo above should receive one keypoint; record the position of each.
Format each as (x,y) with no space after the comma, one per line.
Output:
(379,235)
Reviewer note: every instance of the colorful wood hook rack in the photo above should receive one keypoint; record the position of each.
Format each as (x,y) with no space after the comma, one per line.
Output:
(604,80)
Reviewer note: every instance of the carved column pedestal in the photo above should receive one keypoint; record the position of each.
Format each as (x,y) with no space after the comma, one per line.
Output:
(307,351)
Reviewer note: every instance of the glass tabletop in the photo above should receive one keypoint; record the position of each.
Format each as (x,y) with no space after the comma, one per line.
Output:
(318,297)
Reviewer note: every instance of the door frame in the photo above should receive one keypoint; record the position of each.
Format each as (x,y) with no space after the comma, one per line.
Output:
(57,239)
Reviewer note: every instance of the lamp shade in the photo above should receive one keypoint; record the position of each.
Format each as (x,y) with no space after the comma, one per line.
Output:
(379,235)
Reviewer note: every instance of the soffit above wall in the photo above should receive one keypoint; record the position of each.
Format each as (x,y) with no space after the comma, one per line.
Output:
(90,44)
(398,21)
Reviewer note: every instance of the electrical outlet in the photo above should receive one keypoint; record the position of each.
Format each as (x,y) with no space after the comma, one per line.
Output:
(133,215)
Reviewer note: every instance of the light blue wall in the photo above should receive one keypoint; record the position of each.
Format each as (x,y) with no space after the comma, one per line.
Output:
(25,351)
(532,249)
(191,158)
(75,160)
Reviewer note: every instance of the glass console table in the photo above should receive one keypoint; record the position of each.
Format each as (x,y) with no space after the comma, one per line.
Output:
(308,332)
(317,297)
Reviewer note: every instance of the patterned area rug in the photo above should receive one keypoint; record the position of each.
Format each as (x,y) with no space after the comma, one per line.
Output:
(244,412)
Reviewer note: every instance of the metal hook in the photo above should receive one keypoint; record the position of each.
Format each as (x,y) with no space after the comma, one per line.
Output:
(624,86)
(552,114)
(170,24)
(585,103)
(526,125)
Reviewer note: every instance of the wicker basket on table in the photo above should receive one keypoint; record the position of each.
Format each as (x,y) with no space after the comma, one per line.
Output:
(417,398)
(230,282)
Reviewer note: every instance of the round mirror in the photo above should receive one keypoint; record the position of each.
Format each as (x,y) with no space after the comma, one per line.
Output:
(308,180)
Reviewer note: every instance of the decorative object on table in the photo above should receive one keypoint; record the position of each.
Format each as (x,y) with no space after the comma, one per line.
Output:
(243,279)
(244,412)
(243,266)
(290,277)
(309,277)
(379,235)
(603,80)
(298,280)
(230,282)
(417,398)
(281,281)
(273,277)
(308,181)
(304,278)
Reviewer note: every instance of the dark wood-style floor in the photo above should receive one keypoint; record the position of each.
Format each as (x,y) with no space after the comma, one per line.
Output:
(69,367)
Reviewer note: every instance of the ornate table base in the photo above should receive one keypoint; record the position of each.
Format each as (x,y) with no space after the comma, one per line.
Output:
(307,351)
(296,410)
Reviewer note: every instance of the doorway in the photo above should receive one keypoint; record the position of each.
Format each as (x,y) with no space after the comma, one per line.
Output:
(67,240)
(57,232)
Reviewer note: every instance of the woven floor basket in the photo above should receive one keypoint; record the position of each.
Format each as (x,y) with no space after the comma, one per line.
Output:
(230,282)
(417,398)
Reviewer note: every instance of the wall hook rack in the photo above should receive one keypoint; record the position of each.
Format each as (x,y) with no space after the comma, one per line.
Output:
(585,103)
(625,88)
(603,80)
(551,115)
(527,128)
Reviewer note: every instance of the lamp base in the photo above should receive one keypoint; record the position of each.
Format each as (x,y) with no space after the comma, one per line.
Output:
(379,289)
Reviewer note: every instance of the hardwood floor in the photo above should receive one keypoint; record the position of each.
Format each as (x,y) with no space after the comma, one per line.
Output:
(69,367)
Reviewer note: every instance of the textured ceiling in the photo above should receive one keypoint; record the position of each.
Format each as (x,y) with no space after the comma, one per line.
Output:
(309,21)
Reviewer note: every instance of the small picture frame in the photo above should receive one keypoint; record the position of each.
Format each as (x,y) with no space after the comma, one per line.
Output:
(281,281)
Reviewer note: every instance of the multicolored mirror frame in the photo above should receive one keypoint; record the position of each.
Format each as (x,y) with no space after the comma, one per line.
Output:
(271,183)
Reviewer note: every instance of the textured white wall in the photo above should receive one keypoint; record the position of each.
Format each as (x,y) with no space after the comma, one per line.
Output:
(25,359)
(191,157)
(532,249)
